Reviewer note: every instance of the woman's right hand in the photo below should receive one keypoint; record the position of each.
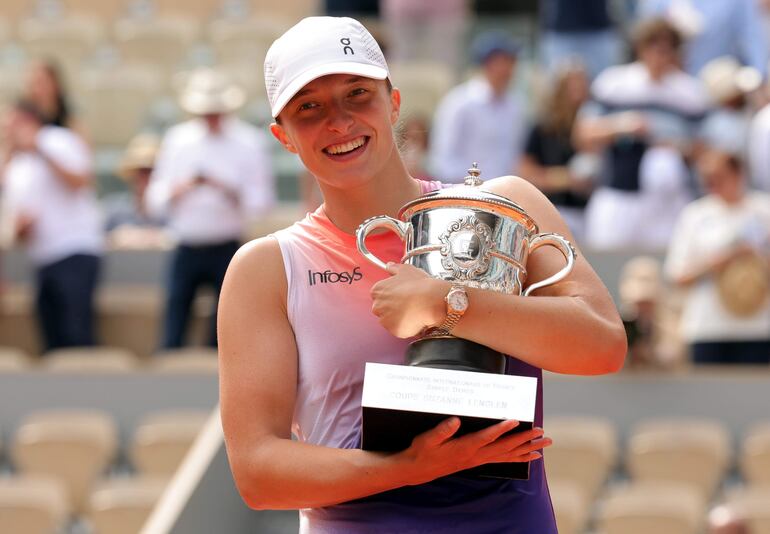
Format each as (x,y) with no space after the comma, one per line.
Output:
(436,453)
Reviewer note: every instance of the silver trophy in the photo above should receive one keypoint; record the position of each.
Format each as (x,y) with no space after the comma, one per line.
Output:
(470,237)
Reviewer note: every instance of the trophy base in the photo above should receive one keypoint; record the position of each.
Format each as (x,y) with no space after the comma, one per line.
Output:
(449,352)
(400,402)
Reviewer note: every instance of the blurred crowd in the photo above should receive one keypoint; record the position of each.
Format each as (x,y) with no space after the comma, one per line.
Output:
(646,123)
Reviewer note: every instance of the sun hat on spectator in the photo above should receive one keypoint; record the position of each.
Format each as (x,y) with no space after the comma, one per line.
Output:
(319,46)
(640,280)
(209,91)
(140,154)
(725,78)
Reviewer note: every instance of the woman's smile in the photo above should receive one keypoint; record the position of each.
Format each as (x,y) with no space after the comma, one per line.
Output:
(347,150)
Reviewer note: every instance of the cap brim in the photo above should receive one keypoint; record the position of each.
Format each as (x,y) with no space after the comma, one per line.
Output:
(343,67)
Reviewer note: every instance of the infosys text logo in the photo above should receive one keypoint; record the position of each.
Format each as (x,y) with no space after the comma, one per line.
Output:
(331,277)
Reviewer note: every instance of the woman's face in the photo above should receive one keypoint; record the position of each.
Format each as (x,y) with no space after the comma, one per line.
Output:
(342,128)
(659,55)
(41,85)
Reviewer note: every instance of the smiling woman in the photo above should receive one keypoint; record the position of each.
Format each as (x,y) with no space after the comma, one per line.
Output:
(301,312)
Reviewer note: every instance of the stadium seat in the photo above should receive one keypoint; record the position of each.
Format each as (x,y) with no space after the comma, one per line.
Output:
(752,504)
(130,317)
(32,505)
(11,82)
(186,360)
(18,326)
(161,440)
(72,446)
(245,41)
(16,10)
(292,9)
(584,451)
(107,11)
(115,103)
(422,86)
(199,10)
(122,506)
(5,30)
(571,505)
(755,455)
(160,41)
(90,360)
(68,40)
(651,508)
(13,359)
(689,451)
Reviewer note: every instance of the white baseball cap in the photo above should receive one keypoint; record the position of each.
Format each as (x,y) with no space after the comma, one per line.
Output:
(315,47)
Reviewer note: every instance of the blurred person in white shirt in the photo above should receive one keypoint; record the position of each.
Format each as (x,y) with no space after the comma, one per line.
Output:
(480,120)
(730,86)
(50,206)
(213,175)
(643,117)
(720,253)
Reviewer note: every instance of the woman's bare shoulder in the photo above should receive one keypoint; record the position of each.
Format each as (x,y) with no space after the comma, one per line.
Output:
(531,199)
(258,266)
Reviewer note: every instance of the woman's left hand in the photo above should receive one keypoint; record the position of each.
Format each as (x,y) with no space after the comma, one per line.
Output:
(409,301)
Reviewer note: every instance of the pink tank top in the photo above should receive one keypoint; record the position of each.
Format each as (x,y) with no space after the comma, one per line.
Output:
(329,308)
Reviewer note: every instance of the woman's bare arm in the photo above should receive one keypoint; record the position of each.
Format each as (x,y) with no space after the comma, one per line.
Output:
(570,327)
(258,376)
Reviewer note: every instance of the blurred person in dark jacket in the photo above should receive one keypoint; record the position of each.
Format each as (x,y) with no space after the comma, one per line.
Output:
(550,160)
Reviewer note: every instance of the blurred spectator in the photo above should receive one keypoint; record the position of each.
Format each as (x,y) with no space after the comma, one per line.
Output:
(728,84)
(720,252)
(578,30)
(426,31)
(51,207)
(352,8)
(644,116)
(650,316)
(45,89)
(128,223)
(550,160)
(715,28)
(723,519)
(213,173)
(759,149)
(480,120)
(414,146)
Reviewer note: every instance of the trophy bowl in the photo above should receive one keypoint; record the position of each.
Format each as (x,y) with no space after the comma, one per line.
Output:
(469,237)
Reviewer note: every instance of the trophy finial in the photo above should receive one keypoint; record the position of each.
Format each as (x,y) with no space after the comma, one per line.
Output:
(473,176)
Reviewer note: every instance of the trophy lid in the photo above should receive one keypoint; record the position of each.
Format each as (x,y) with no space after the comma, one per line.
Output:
(468,195)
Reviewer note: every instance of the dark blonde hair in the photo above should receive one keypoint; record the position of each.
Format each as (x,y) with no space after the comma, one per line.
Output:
(654,30)
(558,111)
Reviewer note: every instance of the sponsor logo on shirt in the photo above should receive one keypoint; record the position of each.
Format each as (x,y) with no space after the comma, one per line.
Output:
(331,277)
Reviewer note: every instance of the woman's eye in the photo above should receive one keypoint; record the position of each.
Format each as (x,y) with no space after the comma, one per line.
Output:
(307,105)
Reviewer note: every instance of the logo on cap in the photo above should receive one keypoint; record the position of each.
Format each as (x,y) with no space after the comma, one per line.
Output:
(346,41)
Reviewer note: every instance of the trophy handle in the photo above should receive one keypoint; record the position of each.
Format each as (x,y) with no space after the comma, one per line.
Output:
(381,221)
(564,246)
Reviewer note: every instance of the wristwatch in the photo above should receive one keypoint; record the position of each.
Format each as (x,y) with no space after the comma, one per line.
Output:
(456,304)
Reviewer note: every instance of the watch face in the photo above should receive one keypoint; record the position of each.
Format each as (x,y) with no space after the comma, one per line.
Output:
(457,300)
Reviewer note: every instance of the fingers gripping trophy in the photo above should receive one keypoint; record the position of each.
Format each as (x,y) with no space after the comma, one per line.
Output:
(472,238)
